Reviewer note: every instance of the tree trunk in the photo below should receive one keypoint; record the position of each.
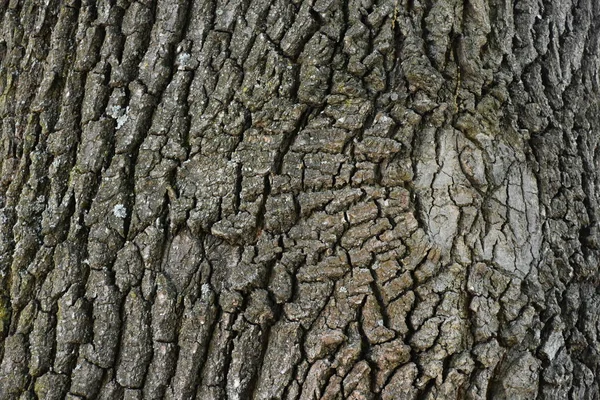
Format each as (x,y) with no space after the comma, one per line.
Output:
(299,199)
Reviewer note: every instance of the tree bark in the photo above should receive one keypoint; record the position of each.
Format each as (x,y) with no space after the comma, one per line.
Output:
(299,199)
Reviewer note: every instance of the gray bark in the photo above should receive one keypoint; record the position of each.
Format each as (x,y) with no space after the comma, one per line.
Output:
(299,199)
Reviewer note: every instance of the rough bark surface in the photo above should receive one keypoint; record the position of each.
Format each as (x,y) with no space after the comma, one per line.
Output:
(299,199)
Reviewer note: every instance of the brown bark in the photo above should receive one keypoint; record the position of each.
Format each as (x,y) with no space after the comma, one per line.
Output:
(299,199)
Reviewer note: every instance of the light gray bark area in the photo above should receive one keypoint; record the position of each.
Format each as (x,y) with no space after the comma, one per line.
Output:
(299,199)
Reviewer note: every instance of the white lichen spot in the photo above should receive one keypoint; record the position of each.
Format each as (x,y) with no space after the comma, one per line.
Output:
(343,289)
(119,114)
(121,121)
(183,58)
(120,211)
(115,112)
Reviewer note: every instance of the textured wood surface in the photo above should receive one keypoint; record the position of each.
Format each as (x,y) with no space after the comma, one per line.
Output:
(299,199)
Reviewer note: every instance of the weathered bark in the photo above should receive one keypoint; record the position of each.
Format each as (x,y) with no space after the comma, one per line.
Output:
(299,199)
